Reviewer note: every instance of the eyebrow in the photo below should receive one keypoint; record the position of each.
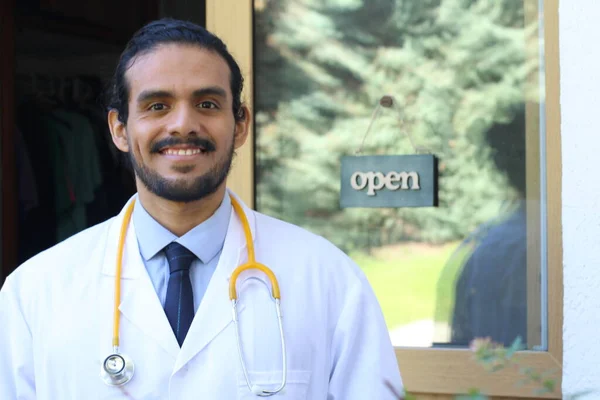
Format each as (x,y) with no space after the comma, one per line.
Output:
(211,90)
(147,95)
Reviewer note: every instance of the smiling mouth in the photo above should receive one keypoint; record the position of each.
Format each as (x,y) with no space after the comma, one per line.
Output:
(184,152)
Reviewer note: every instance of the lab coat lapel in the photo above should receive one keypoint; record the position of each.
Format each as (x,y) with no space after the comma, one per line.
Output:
(215,313)
(139,302)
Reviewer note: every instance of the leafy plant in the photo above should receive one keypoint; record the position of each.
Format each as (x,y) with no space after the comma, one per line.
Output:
(494,357)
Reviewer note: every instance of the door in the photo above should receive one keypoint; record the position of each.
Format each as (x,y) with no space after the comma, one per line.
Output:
(471,84)
(65,52)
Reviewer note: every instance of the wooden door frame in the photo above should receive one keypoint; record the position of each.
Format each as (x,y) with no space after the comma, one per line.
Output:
(443,371)
(232,21)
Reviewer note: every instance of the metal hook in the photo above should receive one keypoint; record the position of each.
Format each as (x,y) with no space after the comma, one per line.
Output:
(386,101)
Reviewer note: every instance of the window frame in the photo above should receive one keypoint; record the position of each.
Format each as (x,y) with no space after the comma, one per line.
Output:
(232,21)
(444,371)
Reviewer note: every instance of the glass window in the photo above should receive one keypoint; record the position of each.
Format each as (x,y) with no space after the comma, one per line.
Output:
(466,79)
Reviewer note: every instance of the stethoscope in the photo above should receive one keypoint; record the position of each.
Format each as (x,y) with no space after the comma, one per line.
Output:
(117,369)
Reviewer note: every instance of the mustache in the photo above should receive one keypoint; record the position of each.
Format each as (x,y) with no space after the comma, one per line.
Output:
(173,141)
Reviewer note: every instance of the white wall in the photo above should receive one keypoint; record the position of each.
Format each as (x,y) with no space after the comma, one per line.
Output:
(580,103)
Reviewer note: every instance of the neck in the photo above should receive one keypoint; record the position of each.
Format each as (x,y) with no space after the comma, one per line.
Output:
(180,218)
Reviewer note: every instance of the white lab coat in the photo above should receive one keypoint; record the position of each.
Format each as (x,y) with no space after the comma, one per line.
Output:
(56,320)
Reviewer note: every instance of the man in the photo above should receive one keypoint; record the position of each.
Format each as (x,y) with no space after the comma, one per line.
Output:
(176,112)
(491,284)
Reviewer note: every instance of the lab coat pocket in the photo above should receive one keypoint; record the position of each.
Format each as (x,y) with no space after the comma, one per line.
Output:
(296,387)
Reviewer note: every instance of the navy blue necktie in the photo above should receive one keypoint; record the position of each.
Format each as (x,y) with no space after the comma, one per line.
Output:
(179,305)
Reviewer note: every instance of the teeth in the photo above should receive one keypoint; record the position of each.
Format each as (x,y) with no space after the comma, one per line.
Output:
(183,152)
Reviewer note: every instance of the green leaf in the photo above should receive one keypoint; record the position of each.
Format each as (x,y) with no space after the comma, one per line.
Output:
(517,345)
(550,384)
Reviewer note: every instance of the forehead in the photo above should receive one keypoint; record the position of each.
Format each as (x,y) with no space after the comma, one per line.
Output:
(178,68)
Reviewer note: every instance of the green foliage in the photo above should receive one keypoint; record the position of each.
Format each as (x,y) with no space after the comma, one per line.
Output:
(473,394)
(454,67)
(495,357)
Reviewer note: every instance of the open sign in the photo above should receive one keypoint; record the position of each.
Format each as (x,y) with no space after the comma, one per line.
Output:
(389,181)
(376,181)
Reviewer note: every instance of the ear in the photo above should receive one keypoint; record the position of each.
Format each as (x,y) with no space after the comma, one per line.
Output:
(118,131)
(242,128)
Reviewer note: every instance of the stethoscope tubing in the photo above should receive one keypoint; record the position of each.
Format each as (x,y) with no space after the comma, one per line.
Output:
(120,376)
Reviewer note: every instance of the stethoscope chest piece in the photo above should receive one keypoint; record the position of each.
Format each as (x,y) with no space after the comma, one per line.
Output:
(117,369)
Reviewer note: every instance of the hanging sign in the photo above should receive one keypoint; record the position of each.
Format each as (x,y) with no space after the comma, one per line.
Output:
(391,181)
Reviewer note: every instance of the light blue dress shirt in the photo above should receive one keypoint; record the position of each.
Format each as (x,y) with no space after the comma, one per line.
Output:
(205,241)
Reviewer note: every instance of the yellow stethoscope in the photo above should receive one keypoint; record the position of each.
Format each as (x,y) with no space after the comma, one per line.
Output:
(117,369)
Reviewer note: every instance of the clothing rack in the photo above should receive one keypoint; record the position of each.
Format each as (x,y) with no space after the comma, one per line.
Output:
(77,89)
(70,174)
(101,65)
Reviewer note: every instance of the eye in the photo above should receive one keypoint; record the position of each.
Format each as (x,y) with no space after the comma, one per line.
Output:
(207,104)
(157,107)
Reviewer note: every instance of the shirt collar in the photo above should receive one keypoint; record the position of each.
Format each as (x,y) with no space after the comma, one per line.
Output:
(205,240)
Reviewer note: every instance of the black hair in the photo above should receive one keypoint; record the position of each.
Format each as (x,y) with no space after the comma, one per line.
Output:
(507,141)
(165,31)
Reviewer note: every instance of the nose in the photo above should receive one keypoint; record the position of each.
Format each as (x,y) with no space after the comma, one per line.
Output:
(183,121)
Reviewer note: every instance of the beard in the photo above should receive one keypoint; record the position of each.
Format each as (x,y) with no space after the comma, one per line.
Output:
(183,190)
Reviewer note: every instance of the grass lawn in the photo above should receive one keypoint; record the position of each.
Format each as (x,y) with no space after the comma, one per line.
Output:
(406,277)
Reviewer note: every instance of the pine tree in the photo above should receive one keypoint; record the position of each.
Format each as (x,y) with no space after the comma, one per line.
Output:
(455,69)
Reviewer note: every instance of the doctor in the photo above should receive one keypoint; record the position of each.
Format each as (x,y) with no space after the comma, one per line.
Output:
(176,112)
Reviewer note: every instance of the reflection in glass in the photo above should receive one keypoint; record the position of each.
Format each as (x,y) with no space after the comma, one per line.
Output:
(490,292)
(465,78)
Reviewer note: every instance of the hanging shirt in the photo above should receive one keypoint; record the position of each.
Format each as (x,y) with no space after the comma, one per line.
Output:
(77,166)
